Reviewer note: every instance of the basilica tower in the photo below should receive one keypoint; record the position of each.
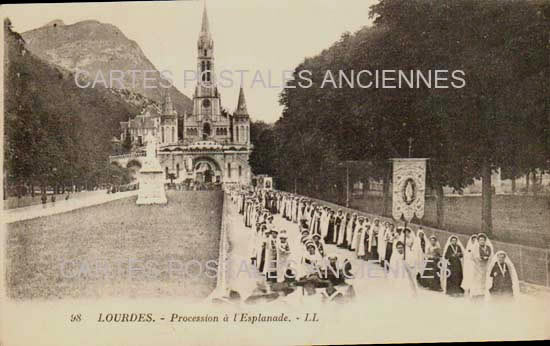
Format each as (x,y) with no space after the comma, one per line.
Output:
(241,121)
(216,146)
(206,122)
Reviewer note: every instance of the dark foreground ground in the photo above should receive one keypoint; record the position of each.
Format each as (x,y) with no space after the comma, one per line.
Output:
(522,220)
(118,249)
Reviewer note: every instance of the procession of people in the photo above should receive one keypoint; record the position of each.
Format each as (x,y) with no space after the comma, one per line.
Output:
(302,254)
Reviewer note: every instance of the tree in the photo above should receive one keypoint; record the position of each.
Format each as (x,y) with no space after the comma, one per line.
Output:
(55,135)
(498,120)
(503,60)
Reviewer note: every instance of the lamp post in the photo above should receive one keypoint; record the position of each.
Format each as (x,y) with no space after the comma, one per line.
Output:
(347,186)
(347,164)
(54,170)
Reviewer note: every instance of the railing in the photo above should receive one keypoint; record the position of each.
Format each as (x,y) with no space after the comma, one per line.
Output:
(127,156)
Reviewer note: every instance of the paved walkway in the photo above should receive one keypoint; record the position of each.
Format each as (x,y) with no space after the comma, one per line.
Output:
(380,307)
(240,238)
(372,283)
(62,206)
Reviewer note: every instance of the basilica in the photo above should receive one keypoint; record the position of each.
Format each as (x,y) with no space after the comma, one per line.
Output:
(214,146)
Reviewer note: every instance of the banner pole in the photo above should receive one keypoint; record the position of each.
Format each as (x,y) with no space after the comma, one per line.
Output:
(405,241)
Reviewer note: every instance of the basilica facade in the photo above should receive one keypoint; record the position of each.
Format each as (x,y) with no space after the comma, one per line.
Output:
(214,146)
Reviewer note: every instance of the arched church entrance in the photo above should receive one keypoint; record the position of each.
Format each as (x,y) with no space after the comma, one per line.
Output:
(206,170)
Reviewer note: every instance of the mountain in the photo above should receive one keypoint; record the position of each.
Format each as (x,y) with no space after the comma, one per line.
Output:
(93,46)
(55,132)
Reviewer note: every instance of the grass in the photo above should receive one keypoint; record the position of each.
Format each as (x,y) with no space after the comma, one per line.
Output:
(90,252)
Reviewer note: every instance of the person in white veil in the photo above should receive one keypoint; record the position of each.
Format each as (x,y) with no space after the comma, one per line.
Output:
(468,264)
(325,216)
(410,239)
(411,254)
(419,249)
(357,235)
(482,253)
(338,219)
(430,277)
(452,272)
(283,255)
(400,273)
(389,237)
(363,240)
(343,227)
(350,230)
(374,231)
(502,278)
(382,241)
(311,260)
(398,237)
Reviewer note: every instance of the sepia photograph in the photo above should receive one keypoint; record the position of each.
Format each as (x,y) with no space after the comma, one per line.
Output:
(275,172)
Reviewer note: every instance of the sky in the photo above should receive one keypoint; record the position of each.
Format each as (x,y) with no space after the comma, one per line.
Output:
(270,36)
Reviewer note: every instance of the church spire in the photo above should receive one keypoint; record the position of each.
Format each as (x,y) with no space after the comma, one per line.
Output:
(241,104)
(205,38)
(205,28)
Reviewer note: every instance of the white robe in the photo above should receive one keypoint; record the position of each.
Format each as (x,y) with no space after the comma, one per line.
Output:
(403,280)
(419,253)
(358,236)
(342,231)
(382,243)
(361,250)
(270,265)
(479,272)
(349,230)
(467,271)
(324,224)
(289,209)
(283,254)
(306,268)
(315,224)
(374,232)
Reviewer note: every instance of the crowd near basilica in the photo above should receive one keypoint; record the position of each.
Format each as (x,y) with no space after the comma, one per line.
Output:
(302,247)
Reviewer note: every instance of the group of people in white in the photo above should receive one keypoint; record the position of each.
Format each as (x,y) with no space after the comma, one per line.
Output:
(412,259)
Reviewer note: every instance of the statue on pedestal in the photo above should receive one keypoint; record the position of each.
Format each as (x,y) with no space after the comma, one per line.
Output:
(151,176)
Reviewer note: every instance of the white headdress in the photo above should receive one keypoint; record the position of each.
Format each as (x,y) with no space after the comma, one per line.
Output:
(417,249)
(429,245)
(468,262)
(511,269)
(471,242)
(475,251)
(445,262)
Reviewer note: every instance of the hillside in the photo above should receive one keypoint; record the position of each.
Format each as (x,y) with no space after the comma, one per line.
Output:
(93,46)
(54,131)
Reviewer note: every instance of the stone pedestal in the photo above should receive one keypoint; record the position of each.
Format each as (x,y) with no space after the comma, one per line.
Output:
(151,183)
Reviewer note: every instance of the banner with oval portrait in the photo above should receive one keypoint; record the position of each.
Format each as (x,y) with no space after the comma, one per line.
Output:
(409,185)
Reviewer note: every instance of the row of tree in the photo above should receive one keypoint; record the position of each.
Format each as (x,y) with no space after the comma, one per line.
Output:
(499,119)
(56,134)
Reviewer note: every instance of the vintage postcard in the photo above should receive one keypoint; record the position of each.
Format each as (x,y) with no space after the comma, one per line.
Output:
(275,172)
